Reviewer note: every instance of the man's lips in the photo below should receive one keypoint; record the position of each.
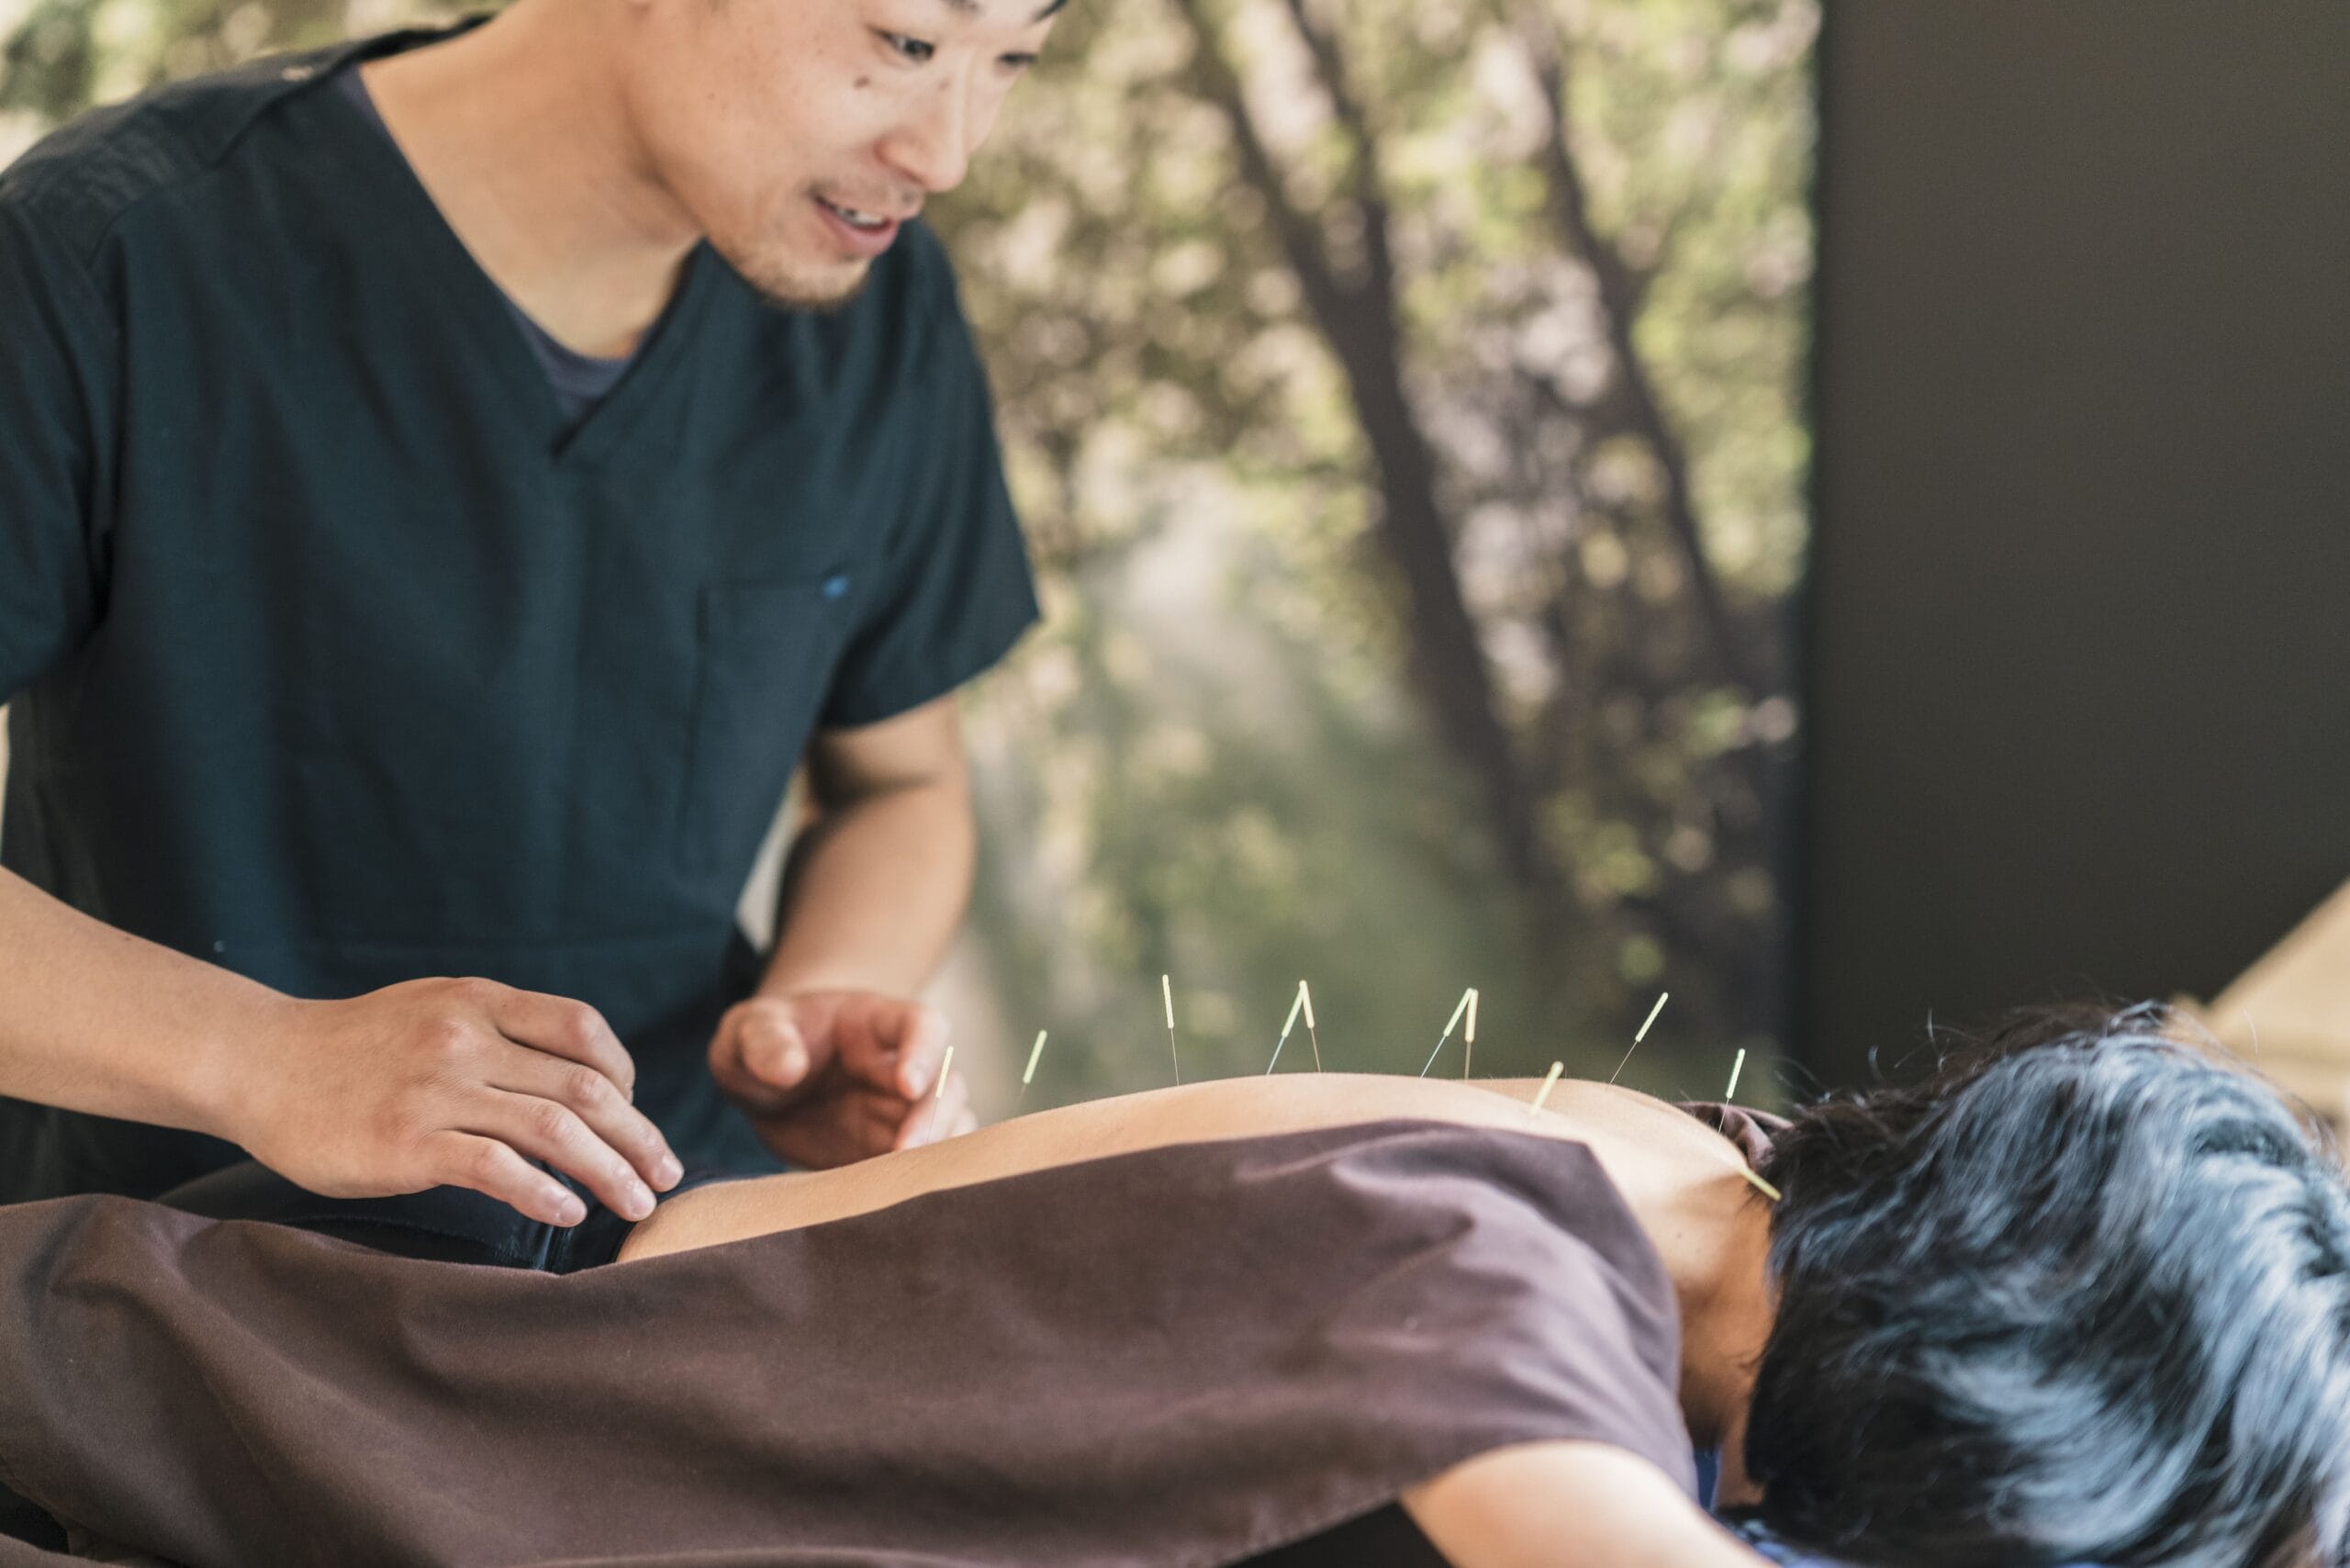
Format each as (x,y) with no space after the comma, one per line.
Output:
(865,239)
(875,214)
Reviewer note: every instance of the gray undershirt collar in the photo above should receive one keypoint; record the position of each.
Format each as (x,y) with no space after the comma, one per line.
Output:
(581,381)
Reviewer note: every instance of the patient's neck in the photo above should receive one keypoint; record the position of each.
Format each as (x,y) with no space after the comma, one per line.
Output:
(1725,1297)
(1711,1228)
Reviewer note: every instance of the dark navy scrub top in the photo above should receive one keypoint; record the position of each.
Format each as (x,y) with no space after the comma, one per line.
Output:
(337,657)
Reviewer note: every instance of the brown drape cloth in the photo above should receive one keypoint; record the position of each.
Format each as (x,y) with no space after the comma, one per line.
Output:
(1179,1356)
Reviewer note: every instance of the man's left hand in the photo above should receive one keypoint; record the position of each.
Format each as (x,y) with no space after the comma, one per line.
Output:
(831,1077)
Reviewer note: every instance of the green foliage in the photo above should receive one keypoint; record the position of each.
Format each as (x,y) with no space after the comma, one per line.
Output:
(1160,372)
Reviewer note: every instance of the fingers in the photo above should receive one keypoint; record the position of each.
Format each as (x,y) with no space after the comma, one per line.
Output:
(461,1159)
(944,1115)
(550,1131)
(761,1057)
(831,1077)
(922,1050)
(562,1027)
(890,1044)
(566,1055)
(463,1081)
(619,1126)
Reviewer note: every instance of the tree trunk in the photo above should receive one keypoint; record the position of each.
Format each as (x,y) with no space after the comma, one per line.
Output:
(1358,319)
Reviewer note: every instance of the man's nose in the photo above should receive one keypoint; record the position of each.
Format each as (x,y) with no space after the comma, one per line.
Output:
(933,146)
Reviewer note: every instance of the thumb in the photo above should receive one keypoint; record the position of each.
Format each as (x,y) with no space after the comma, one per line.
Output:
(768,1057)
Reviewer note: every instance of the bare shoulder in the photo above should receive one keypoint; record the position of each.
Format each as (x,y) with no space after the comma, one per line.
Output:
(1568,1504)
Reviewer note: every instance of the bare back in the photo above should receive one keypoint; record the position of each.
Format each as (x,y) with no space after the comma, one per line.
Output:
(1653,1153)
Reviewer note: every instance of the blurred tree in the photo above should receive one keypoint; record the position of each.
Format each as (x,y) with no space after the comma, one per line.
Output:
(1512,296)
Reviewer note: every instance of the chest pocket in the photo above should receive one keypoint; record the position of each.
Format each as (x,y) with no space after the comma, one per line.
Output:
(767,651)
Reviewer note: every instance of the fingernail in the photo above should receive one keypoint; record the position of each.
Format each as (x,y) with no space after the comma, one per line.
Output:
(793,1064)
(637,1202)
(569,1209)
(668,1172)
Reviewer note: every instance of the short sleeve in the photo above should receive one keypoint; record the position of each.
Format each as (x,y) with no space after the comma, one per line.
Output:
(54,345)
(956,592)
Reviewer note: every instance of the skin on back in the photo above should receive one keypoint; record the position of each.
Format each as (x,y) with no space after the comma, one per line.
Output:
(1655,1155)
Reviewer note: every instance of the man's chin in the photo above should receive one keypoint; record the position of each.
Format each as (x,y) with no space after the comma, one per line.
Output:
(790,286)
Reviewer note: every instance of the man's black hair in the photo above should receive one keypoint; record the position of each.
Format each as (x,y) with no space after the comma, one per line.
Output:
(2082,1297)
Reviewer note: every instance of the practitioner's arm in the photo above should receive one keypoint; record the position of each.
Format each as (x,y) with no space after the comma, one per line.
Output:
(833,1060)
(1568,1504)
(432,1081)
(877,883)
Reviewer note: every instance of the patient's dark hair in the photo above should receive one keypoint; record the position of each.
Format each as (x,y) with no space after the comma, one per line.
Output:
(2082,1297)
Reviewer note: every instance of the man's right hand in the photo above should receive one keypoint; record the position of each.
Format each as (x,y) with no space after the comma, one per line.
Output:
(449,1083)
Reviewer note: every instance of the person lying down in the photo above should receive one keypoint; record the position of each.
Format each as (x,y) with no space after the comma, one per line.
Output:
(2082,1297)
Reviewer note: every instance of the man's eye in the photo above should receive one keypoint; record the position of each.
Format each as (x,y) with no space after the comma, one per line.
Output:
(1018,61)
(914,49)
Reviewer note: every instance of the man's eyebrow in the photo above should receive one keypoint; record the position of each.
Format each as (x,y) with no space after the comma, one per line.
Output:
(974,7)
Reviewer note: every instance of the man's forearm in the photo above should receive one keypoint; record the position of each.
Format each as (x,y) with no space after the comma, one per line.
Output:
(874,891)
(435,1081)
(95,1019)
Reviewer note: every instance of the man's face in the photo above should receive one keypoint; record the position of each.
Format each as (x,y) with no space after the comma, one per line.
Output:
(798,134)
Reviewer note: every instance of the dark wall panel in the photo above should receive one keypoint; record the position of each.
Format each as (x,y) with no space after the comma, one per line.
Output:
(2080,615)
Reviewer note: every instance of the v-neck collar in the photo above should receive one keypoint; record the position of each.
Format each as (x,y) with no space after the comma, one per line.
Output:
(489,310)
